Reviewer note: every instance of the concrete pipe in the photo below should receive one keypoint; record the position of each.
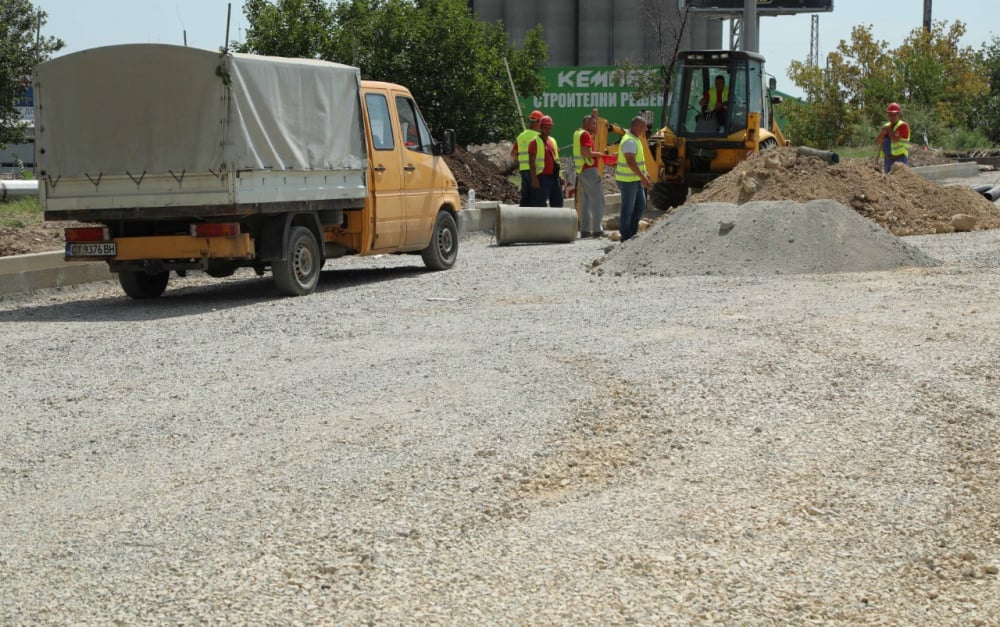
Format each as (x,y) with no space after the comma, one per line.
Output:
(535,224)
(992,193)
(9,189)
(982,189)
(826,155)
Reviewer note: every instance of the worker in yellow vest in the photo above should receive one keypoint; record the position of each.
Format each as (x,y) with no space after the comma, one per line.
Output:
(588,178)
(894,139)
(526,162)
(632,178)
(715,101)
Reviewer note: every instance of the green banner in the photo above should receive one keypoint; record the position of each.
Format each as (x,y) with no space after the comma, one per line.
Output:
(573,92)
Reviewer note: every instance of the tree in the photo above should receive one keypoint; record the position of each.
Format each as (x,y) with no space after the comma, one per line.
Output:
(985,114)
(21,48)
(290,28)
(935,81)
(453,64)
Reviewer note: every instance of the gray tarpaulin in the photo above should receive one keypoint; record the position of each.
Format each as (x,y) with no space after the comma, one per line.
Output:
(156,108)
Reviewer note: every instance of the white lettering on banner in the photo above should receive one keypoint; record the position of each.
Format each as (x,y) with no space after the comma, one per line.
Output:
(584,79)
(27,114)
(549,100)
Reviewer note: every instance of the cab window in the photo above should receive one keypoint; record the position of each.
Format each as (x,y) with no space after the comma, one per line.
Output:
(379,121)
(412,129)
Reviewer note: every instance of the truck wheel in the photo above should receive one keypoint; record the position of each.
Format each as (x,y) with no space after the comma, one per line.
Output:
(768,144)
(667,195)
(139,284)
(441,253)
(298,275)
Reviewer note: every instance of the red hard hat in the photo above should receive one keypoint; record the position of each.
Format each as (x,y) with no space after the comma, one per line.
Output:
(893,108)
(535,115)
(546,120)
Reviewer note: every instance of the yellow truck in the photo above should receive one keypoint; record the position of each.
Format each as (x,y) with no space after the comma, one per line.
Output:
(182,159)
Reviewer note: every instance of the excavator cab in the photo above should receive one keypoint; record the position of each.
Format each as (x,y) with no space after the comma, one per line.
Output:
(719,113)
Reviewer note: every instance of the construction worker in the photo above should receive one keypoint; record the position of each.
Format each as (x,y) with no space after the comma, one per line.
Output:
(525,162)
(588,178)
(894,139)
(549,185)
(715,100)
(632,178)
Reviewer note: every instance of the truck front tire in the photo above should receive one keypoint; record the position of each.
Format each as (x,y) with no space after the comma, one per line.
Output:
(140,284)
(442,252)
(298,274)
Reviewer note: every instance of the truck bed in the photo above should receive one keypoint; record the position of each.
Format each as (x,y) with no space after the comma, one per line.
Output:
(150,131)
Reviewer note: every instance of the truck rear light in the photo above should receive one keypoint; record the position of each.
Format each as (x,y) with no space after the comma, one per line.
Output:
(216,229)
(87,234)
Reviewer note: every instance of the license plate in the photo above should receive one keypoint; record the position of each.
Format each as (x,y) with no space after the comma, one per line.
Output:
(92,249)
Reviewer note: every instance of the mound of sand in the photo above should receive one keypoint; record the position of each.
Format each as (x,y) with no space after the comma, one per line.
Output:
(903,202)
(761,238)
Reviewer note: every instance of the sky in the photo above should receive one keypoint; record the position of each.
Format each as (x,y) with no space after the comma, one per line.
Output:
(86,24)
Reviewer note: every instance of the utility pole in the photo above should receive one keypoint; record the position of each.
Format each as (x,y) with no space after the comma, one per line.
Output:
(927,16)
(814,41)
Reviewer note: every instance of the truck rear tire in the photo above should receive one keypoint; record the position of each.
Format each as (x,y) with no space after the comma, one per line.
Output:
(298,275)
(140,284)
(442,252)
(667,195)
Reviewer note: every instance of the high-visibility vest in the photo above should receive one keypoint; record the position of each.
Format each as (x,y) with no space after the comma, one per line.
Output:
(523,142)
(578,159)
(623,172)
(902,147)
(713,96)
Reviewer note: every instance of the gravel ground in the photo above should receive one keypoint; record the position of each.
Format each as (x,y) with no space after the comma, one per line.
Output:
(515,441)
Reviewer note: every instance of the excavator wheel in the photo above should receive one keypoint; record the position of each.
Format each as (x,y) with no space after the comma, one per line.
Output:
(769,143)
(666,195)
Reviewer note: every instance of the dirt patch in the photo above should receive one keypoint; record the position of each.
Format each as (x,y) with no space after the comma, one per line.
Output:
(903,202)
(32,238)
(475,170)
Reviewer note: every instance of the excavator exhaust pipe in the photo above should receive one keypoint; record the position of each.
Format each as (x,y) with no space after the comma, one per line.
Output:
(522,225)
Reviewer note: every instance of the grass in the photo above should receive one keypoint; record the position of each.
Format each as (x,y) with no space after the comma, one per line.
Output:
(21,212)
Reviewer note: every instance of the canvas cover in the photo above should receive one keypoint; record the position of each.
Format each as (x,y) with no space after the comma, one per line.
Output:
(152,108)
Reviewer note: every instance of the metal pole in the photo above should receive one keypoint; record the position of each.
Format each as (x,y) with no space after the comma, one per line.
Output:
(927,15)
(229,15)
(750,26)
(520,114)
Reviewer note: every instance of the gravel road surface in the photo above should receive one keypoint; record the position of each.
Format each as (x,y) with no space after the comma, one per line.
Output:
(516,441)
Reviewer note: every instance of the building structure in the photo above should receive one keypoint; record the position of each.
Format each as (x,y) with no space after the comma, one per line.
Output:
(601,32)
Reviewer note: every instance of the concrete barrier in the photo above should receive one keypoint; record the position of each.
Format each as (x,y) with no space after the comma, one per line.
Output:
(947,170)
(24,273)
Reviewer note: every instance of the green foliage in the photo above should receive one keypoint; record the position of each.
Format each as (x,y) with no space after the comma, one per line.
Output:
(20,50)
(20,211)
(939,85)
(287,28)
(985,113)
(453,64)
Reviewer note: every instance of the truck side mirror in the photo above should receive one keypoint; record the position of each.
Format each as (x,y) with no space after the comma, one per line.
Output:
(447,144)
(772,83)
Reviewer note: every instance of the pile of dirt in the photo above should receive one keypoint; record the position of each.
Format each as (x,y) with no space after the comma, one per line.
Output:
(474,170)
(34,238)
(903,202)
(761,238)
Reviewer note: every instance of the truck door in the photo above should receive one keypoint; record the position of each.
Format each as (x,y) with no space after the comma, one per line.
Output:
(420,173)
(390,208)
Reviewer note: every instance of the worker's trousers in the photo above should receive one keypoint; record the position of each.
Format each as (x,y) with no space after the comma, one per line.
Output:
(588,186)
(633,206)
